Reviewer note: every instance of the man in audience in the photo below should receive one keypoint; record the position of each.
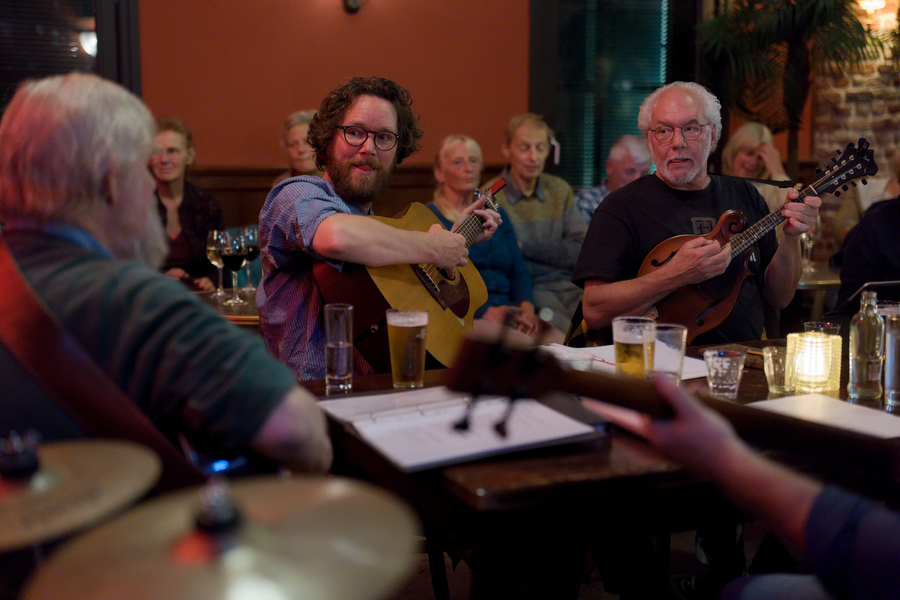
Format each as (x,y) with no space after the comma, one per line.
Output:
(628,159)
(542,208)
(361,132)
(77,200)
(682,124)
(851,544)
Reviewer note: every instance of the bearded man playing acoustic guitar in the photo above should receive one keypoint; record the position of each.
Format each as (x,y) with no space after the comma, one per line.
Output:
(682,125)
(361,132)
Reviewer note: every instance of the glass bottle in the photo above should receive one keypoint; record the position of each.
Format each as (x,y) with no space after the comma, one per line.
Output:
(866,351)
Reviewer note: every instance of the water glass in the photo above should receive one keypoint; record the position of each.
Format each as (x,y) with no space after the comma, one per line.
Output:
(668,352)
(724,368)
(777,371)
(822,327)
(338,348)
(634,339)
(892,363)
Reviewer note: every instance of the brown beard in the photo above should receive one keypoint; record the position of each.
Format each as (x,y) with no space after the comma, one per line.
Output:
(351,193)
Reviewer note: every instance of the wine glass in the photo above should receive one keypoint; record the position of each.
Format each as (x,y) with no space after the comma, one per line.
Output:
(807,243)
(251,239)
(215,241)
(234,257)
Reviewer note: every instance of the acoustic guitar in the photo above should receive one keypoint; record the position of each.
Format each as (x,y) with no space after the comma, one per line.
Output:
(492,368)
(451,302)
(703,306)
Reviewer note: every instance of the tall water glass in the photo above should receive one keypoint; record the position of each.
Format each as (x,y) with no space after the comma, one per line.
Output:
(892,363)
(338,348)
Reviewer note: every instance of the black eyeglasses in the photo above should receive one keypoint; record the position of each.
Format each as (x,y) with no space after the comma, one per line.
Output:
(691,132)
(357,136)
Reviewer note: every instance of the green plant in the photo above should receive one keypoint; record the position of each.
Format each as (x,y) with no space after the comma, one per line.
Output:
(758,57)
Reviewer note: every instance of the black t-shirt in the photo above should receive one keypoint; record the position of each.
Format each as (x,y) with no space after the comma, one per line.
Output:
(634,219)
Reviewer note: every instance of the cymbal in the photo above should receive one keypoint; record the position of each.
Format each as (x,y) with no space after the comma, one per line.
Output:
(315,538)
(77,483)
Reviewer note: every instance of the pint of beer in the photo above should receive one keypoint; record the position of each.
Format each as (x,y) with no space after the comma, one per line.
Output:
(406,338)
(634,339)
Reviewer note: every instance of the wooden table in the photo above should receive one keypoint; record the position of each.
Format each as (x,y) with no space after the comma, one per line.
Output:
(528,517)
(243,315)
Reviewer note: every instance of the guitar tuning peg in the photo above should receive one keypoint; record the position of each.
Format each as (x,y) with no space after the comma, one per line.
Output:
(837,194)
(818,170)
(834,160)
(864,182)
(845,188)
(853,183)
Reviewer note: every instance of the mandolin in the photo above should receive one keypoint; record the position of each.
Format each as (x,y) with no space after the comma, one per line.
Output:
(703,306)
(451,302)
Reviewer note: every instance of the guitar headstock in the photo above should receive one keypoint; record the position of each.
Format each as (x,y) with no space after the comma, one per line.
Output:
(488,195)
(854,162)
(488,367)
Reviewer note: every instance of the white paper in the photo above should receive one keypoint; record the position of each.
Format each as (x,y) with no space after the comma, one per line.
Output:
(415,429)
(604,360)
(826,410)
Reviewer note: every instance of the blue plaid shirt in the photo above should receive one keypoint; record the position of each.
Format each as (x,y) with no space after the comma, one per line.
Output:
(588,199)
(289,303)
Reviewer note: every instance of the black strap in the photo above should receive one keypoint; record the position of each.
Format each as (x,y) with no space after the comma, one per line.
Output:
(77,384)
(782,183)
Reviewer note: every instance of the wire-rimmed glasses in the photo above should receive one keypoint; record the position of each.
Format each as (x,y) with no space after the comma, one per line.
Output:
(216,239)
(691,132)
(357,136)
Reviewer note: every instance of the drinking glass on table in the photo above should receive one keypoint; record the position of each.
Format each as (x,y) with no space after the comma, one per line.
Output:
(634,339)
(338,348)
(234,257)
(407,334)
(216,239)
(251,238)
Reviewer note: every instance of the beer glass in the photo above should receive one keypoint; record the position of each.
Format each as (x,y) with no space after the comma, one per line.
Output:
(634,339)
(406,338)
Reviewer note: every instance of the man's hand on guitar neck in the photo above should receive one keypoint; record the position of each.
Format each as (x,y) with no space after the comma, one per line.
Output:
(490,220)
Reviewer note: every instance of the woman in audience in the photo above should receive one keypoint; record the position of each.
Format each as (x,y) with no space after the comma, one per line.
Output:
(301,159)
(187,212)
(457,168)
(751,153)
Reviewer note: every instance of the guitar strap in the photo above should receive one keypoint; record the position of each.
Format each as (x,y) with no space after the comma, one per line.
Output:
(74,380)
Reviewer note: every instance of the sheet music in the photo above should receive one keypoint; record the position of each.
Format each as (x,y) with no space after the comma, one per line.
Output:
(604,360)
(826,410)
(414,429)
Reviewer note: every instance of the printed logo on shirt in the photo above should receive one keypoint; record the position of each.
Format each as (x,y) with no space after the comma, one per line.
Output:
(703,225)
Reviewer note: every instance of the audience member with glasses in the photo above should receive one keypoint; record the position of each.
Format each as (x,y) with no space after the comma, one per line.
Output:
(682,125)
(361,132)
(188,213)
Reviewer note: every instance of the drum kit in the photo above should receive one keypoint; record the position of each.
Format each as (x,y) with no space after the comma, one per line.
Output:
(260,538)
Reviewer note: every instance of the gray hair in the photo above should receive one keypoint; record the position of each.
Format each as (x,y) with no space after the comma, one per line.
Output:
(59,139)
(635,145)
(712,108)
(301,117)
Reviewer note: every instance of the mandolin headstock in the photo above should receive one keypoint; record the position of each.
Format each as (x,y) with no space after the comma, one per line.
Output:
(854,162)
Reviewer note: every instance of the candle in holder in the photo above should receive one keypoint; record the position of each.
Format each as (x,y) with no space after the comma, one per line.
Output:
(816,360)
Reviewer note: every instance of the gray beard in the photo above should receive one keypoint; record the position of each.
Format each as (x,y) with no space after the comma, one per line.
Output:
(151,248)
